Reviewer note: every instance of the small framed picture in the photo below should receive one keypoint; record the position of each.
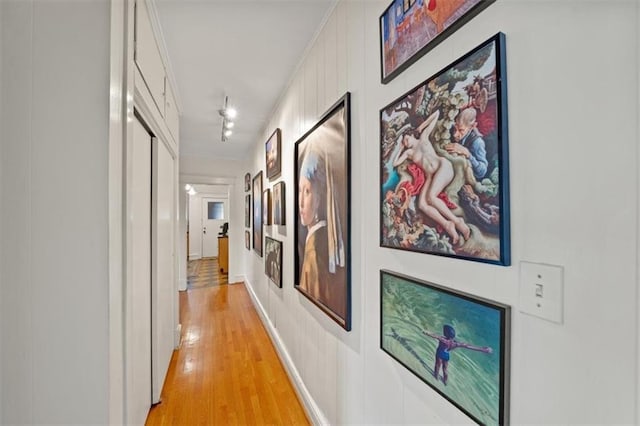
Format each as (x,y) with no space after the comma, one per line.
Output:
(247,182)
(266,207)
(454,342)
(257,213)
(247,240)
(247,210)
(273,260)
(272,155)
(278,204)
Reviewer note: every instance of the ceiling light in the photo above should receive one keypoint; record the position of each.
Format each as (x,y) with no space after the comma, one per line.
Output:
(227,113)
(231,113)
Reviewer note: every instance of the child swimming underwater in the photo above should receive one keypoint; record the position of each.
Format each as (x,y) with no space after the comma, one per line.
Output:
(446,344)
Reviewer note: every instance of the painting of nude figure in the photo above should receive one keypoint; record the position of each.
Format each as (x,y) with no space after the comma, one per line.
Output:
(410,28)
(454,342)
(444,162)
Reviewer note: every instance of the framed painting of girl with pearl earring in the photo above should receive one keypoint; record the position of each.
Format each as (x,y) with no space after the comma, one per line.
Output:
(322,221)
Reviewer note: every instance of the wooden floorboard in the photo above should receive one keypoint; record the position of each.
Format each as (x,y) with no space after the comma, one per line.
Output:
(226,371)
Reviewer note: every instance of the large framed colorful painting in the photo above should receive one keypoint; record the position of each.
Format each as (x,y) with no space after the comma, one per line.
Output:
(322,219)
(273,260)
(257,213)
(454,342)
(444,162)
(411,28)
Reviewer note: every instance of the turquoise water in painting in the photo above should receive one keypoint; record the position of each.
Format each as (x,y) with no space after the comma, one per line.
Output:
(474,377)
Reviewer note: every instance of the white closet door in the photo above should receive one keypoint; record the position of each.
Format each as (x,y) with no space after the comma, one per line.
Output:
(140,319)
(165,290)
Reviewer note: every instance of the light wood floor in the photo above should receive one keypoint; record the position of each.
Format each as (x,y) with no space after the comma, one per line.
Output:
(226,371)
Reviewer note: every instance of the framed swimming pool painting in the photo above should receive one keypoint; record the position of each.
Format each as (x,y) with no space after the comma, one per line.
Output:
(456,343)
(444,175)
(321,213)
(411,28)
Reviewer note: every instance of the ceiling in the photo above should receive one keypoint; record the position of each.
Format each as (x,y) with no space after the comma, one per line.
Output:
(244,49)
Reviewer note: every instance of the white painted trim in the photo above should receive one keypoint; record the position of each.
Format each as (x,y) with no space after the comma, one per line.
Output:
(195,256)
(236,279)
(637,357)
(117,129)
(310,405)
(162,47)
(203,179)
(146,107)
(182,286)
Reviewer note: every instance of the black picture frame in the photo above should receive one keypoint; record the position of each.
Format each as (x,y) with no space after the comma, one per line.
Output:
(257,213)
(247,240)
(417,29)
(247,210)
(279,207)
(469,367)
(457,121)
(273,154)
(322,227)
(273,260)
(266,207)
(247,182)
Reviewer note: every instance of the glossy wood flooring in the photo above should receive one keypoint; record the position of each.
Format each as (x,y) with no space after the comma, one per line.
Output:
(226,371)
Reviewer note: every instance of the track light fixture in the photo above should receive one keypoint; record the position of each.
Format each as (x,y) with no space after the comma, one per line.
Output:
(228,114)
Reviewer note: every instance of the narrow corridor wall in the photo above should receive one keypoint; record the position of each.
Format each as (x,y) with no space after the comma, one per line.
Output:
(54,219)
(573,140)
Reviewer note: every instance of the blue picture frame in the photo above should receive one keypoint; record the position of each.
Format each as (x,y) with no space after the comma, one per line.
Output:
(444,169)
(456,343)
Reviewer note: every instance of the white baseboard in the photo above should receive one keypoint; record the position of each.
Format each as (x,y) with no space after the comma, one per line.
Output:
(182,285)
(236,279)
(195,256)
(312,409)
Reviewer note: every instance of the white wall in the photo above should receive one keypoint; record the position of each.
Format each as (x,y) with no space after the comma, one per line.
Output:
(54,284)
(573,136)
(1,194)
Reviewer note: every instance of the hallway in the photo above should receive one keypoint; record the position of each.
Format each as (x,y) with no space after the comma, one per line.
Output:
(226,370)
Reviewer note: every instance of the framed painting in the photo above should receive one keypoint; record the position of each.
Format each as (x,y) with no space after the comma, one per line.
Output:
(247,240)
(272,152)
(454,342)
(266,207)
(273,260)
(247,210)
(322,219)
(257,213)
(278,204)
(247,182)
(410,28)
(444,172)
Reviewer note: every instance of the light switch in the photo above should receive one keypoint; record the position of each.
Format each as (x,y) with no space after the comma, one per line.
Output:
(541,290)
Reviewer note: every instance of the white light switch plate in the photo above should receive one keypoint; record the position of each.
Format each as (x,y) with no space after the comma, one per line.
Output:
(541,290)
